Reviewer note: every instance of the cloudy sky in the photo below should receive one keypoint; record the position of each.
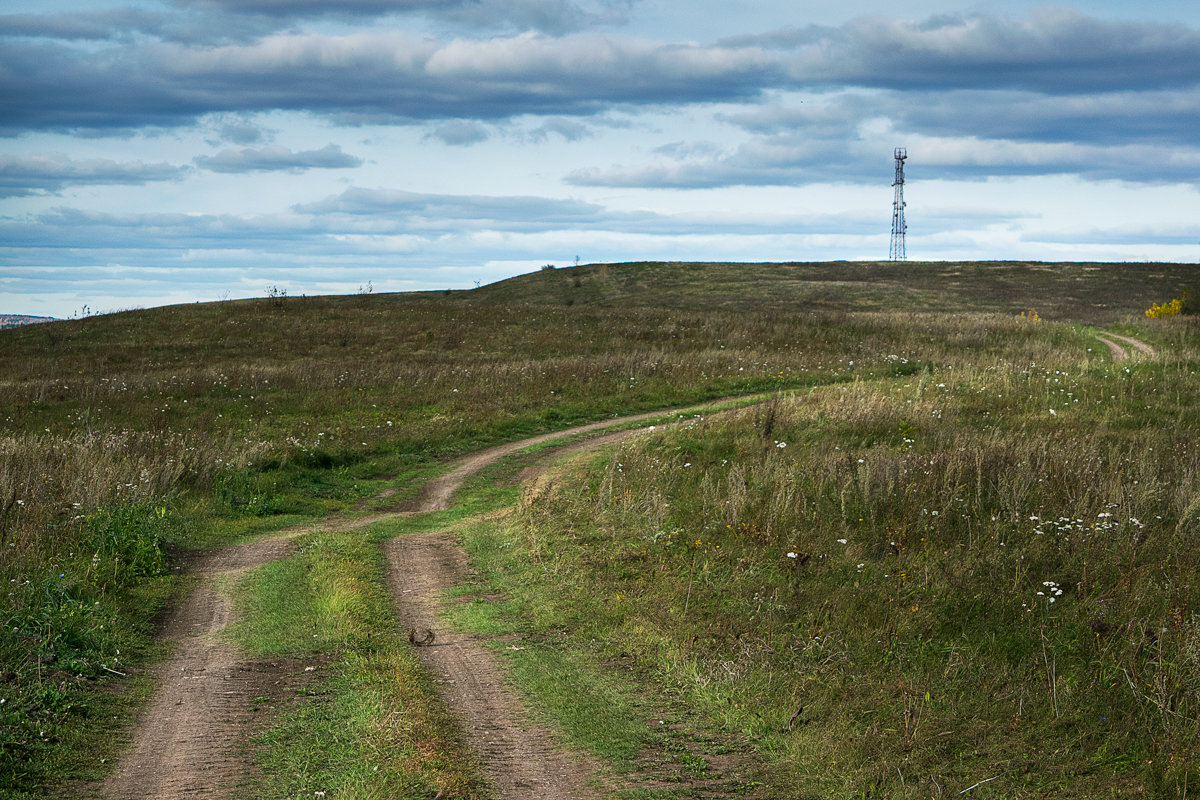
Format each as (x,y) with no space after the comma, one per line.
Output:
(165,151)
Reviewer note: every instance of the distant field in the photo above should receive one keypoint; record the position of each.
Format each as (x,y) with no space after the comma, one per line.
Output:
(16,320)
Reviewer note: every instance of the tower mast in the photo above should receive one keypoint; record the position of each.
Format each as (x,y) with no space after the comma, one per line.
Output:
(896,252)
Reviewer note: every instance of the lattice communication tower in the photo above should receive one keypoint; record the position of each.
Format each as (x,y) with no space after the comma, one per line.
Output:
(897,252)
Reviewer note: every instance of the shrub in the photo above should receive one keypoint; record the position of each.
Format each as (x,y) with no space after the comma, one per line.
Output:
(1179,305)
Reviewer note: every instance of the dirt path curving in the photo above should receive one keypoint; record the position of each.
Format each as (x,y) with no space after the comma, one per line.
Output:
(188,742)
(1115,350)
(435,495)
(1141,347)
(1118,352)
(520,758)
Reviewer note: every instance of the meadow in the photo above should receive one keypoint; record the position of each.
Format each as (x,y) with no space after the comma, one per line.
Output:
(957,544)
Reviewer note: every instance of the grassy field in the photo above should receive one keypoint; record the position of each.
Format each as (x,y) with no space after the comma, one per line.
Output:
(901,587)
(969,456)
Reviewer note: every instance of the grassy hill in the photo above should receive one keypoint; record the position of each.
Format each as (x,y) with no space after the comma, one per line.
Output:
(865,572)
(1084,293)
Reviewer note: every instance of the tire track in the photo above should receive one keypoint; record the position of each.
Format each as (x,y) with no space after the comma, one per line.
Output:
(190,739)
(1118,352)
(521,759)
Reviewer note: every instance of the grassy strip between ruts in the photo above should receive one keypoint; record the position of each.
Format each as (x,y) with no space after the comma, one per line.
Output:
(372,725)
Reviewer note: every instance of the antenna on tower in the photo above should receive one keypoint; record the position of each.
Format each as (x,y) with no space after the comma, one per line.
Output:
(896,252)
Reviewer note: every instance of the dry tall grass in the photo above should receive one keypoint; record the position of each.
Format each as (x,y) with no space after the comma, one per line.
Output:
(984,569)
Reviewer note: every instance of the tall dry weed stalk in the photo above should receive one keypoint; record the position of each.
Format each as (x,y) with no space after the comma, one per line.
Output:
(44,477)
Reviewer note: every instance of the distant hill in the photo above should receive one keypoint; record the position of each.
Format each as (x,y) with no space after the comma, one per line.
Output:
(16,320)
(1089,293)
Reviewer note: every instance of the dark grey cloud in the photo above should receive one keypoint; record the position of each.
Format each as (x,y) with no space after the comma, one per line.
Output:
(1054,78)
(1055,51)
(547,16)
(242,131)
(277,159)
(375,76)
(49,174)
(966,134)
(792,160)
(393,77)
(131,26)
(789,38)
(114,24)
(1106,118)
(310,8)
(436,211)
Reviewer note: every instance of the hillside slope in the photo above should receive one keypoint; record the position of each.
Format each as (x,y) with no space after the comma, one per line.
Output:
(920,404)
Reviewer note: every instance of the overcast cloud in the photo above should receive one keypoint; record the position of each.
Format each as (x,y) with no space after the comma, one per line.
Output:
(296,141)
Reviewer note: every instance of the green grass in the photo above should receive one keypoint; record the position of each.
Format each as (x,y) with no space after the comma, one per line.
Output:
(372,729)
(1072,292)
(372,726)
(599,698)
(240,418)
(905,638)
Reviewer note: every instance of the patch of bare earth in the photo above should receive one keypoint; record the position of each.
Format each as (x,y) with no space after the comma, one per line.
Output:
(190,739)
(1141,347)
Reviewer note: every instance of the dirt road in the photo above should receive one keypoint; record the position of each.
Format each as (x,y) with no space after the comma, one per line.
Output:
(520,758)
(189,740)
(1118,352)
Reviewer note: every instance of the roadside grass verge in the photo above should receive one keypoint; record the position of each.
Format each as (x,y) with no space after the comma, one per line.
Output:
(79,624)
(898,588)
(76,623)
(651,744)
